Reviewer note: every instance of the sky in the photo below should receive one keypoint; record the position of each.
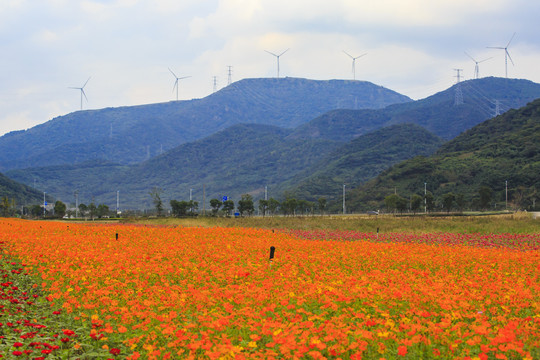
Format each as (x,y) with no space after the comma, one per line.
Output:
(126,47)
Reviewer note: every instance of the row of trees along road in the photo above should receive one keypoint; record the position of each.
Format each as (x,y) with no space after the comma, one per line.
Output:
(448,202)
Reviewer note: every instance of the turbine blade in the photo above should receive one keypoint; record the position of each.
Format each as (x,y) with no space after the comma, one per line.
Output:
(86,82)
(284,52)
(349,55)
(358,57)
(82,91)
(512,38)
(489,58)
(495,47)
(185,77)
(271,53)
(175,85)
(512,61)
(470,56)
(172,73)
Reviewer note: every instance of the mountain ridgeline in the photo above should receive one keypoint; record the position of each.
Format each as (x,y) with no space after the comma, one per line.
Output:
(128,135)
(443,114)
(500,152)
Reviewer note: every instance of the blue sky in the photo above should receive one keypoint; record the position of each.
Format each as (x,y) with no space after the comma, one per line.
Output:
(127,46)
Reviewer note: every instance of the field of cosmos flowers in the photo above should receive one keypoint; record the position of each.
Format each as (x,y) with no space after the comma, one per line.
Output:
(85,291)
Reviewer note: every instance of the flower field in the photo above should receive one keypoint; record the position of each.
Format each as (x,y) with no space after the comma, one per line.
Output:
(79,291)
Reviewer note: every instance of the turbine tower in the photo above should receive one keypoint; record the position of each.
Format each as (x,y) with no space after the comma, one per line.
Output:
(354,62)
(82,91)
(277,57)
(176,82)
(506,54)
(476,67)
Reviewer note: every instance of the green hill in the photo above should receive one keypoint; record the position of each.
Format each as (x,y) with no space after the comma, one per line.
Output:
(362,159)
(21,194)
(439,114)
(503,150)
(243,158)
(128,135)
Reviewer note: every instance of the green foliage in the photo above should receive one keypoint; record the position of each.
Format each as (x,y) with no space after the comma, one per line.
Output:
(155,193)
(416,203)
(245,205)
(437,113)
(505,148)
(228,207)
(215,204)
(59,209)
(448,200)
(362,159)
(139,132)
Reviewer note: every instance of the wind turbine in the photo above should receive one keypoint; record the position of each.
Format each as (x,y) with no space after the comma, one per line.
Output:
(82,91)
(176,82)
(476,67)
(354,62)
(506,54)
(277,57)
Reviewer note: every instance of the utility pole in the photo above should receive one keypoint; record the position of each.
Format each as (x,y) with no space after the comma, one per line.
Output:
(44,203)
(229,76)
(265,192)
(76,203)
(506,195)
(203,199)
(344,211)
(425,198)
(117,201)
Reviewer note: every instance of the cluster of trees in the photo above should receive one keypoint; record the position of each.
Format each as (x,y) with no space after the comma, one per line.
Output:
(289,206)
(448,201)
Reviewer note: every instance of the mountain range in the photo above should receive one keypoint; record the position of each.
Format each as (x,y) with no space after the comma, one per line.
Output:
(128,135)
(308,161)
(501,154)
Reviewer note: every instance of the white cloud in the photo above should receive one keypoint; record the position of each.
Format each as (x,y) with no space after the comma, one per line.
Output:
(127,45)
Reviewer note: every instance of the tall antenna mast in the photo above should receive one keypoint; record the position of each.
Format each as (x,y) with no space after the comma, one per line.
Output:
(277,57)
(506,54)
(459,93)
(215,83)
(354,62)
(229,75)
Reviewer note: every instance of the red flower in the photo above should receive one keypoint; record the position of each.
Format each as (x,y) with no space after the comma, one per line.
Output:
(17,353)
(18,344)
(402,350)
(115,351)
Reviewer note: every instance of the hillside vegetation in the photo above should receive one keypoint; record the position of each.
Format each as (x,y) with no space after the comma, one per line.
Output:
(439,113)
(131,134)
(503,150)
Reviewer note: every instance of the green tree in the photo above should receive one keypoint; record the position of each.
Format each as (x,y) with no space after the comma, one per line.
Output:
(59,209)
(36,210)
(193,207)
(273,205)
(228,207)
(263,206)
(102,210)
(215,204)
(5,206)
(83,209)
(155,194)
(448,201)
(429,201)
(485,197)
(401,204)
(391,202)
(416,203)
(322,205)
(92,209)
(289,206)
(179,208)
(245,205)
(460,202)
